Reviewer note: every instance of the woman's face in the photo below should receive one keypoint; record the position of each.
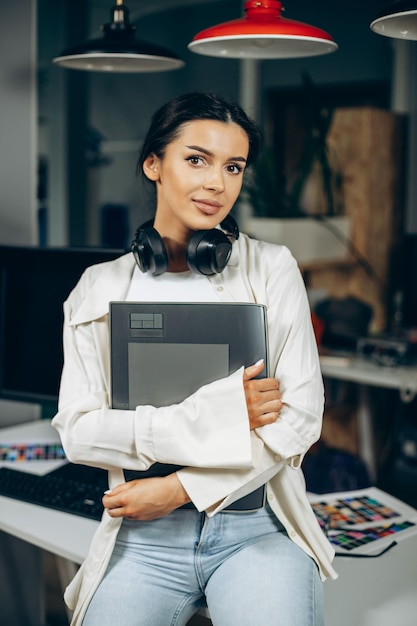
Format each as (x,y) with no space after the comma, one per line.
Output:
(199,177)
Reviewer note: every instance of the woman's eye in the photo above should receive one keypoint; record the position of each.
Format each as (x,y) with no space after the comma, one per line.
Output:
(195,160)
(233,168)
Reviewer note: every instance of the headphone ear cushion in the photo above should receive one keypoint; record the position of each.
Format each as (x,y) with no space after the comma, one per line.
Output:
(149,251)
(208,251)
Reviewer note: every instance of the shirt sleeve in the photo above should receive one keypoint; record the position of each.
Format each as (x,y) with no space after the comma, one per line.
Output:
(211,490)
(294,361)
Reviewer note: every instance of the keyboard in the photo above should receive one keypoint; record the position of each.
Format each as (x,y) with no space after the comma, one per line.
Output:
(75,489)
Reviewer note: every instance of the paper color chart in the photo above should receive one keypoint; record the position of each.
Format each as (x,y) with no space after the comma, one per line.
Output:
(31,452)
(350,539)
(356,520)
(354,510)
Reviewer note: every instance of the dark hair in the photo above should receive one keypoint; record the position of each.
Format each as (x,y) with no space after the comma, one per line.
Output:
(166,123)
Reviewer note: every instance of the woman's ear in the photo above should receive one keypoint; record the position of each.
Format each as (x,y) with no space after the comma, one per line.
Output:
(151,167)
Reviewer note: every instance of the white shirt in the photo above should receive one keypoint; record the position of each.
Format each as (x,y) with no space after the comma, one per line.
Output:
(223,460)
(170,287)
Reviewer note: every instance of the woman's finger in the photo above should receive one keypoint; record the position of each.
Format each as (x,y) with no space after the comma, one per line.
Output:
(253,370)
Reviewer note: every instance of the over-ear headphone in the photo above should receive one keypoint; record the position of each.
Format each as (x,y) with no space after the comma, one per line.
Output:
(208,251)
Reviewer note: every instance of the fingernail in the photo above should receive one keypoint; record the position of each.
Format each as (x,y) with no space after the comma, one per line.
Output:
(106,493)
(259,362)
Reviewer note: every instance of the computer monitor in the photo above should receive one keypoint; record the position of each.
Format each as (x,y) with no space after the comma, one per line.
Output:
(34,283)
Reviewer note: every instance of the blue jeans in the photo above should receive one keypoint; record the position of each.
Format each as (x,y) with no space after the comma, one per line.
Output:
(242,565)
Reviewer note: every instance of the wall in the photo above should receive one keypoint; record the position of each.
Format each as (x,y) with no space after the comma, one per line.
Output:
(411,214)
(18,226)
(119,110)
(18,147)
(18,122)
(120,106)
(362,55)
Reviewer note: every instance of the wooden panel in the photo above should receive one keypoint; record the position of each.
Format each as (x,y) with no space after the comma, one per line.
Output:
(366,150)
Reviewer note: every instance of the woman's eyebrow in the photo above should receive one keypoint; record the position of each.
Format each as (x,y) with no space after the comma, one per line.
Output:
(209,153)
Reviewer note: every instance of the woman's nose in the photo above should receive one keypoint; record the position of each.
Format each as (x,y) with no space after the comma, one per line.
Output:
(215,180)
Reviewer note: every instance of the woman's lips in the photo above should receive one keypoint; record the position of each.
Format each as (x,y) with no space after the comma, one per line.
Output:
(209,207)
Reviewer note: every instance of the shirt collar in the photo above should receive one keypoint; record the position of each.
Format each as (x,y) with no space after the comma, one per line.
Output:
(111,284)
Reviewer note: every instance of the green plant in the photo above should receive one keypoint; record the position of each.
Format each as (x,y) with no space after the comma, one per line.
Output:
(267,189)
(264,189)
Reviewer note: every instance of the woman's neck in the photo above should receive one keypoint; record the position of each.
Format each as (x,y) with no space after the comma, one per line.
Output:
(175,241)
(176,251)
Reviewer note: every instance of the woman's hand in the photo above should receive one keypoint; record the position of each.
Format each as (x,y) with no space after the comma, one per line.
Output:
(146,499)
(263,397)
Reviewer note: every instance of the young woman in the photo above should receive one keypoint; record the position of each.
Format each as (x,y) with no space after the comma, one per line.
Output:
(153,562)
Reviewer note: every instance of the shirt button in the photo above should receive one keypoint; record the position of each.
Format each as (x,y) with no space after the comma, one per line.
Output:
(270,497)
(293,533)
(277,457)
(220,288)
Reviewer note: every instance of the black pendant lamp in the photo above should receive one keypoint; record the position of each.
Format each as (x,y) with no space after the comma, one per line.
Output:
(399,21)
(118,50)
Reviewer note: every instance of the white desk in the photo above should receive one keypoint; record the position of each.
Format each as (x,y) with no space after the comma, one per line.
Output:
(24,521)
(367,373)
(65,535)
(37,527)
(368,592)
(374,592)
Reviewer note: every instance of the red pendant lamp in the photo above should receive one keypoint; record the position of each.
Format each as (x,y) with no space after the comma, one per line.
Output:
(262,34)
(399,21)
